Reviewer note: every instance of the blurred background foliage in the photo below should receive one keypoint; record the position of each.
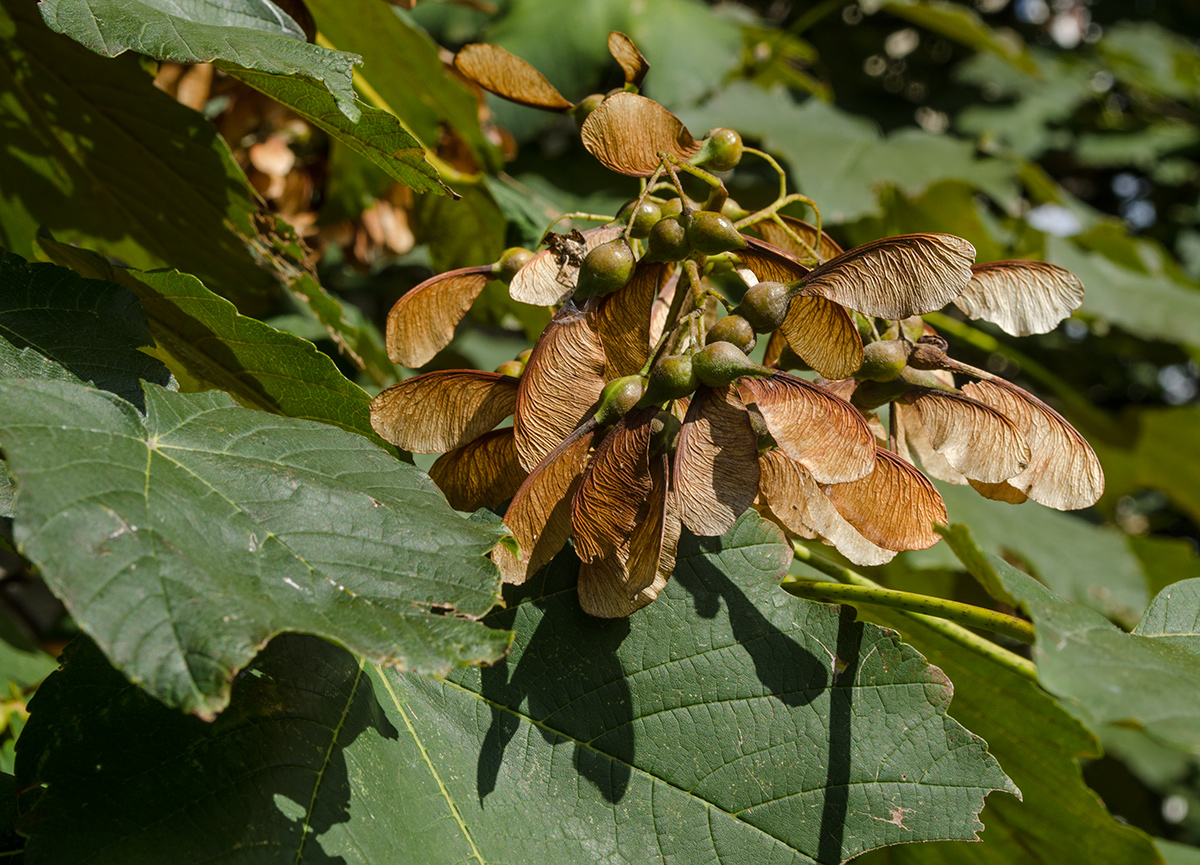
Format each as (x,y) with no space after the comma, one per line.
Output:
(1063,130)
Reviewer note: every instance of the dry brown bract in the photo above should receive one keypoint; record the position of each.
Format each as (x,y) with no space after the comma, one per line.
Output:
(1022,297)
(508,76)
(628,132)
(439,411)
(422,322)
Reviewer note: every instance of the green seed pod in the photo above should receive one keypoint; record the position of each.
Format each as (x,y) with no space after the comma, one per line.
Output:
(719,364)
(720,151)
(883,360)
(732,329)
(765,306)
(668,241)
(643,219)
(619,397)
(605,269)
(664,430)
(711,233)
(586,106)
(672,207)
(512,368)
(511,260)
(672,378)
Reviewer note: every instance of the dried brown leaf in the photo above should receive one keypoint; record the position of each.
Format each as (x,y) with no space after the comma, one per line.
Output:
(439,411)
(508,76)
(1022,297)
(823,334)
(819,430)
(623,320)
(550,276)
(811,246)
(797,501)
(632,63)
(561,383)
(895,506)
(769,263)
(976,439)
(716,462)
(627,133)
(482,474)
(896,277)
(422,322)
(540,513)
(1063,471)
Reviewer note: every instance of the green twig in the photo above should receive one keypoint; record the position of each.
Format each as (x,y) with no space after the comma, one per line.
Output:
(937,622)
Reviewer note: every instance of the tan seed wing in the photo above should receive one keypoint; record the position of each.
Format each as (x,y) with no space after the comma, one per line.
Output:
(633,64)
(422,322)
(439,411)
(623,320)
(823,334)
(508,76)
(661,307)
(895,506)
(627,132)
(809,247)
(1063,471)
(540,513)
(561,383)
(1001,492)
(482,474)
(652,546)
(612,496)
(912,441)
(896,277)
(545,281)
(716,462)
(822,432)
(1022,297)
(769,263)
(798,502)
(976,439)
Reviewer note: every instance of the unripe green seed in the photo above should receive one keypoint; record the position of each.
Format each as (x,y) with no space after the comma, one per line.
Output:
(765,305)
(719,364)
(512,368)
(586,106)
(721,150)
(511,260)
(667,241)
(711,233)
(618,398)
(643,218)
(732,329)
(672,378)
(605,269)
(883,360)
(672,207)
(664,430)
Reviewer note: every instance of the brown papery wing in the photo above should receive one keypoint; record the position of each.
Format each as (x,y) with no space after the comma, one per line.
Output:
(823,334)
(545,281)
(716,461)
(561,383)
(895,506)
(976,439)
(627,132)
(612,496)
(440,411)
(632,63)
(912,441)
(769,263)
(483,474)
(896,277)
(510,77)
(811,244)
(822,432)
(422,322)
(1063,471)
(652,547)
(1022,297)
(623,320)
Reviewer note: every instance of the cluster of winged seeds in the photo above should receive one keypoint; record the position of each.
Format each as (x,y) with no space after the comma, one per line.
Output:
(638,411)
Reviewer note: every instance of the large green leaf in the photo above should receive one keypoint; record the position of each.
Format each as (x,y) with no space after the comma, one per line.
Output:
(99,156)
(1174,616)
(1106,676)
(727,722)
(182,542)
(255,34)
(207,344)
(690,46)
(91,328)
(1163,456)
(841,160)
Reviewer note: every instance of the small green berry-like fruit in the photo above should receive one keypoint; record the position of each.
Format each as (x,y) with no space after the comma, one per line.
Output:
(586,106)
(765,306)
(732,329)
(511,260)
(720,151)
(668,241)
(605,269)
(619,397)
(720,363)
(643,218)
(511,368)
(883,360)
(672,207)
(711,233)
(672,378)
(664,429)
